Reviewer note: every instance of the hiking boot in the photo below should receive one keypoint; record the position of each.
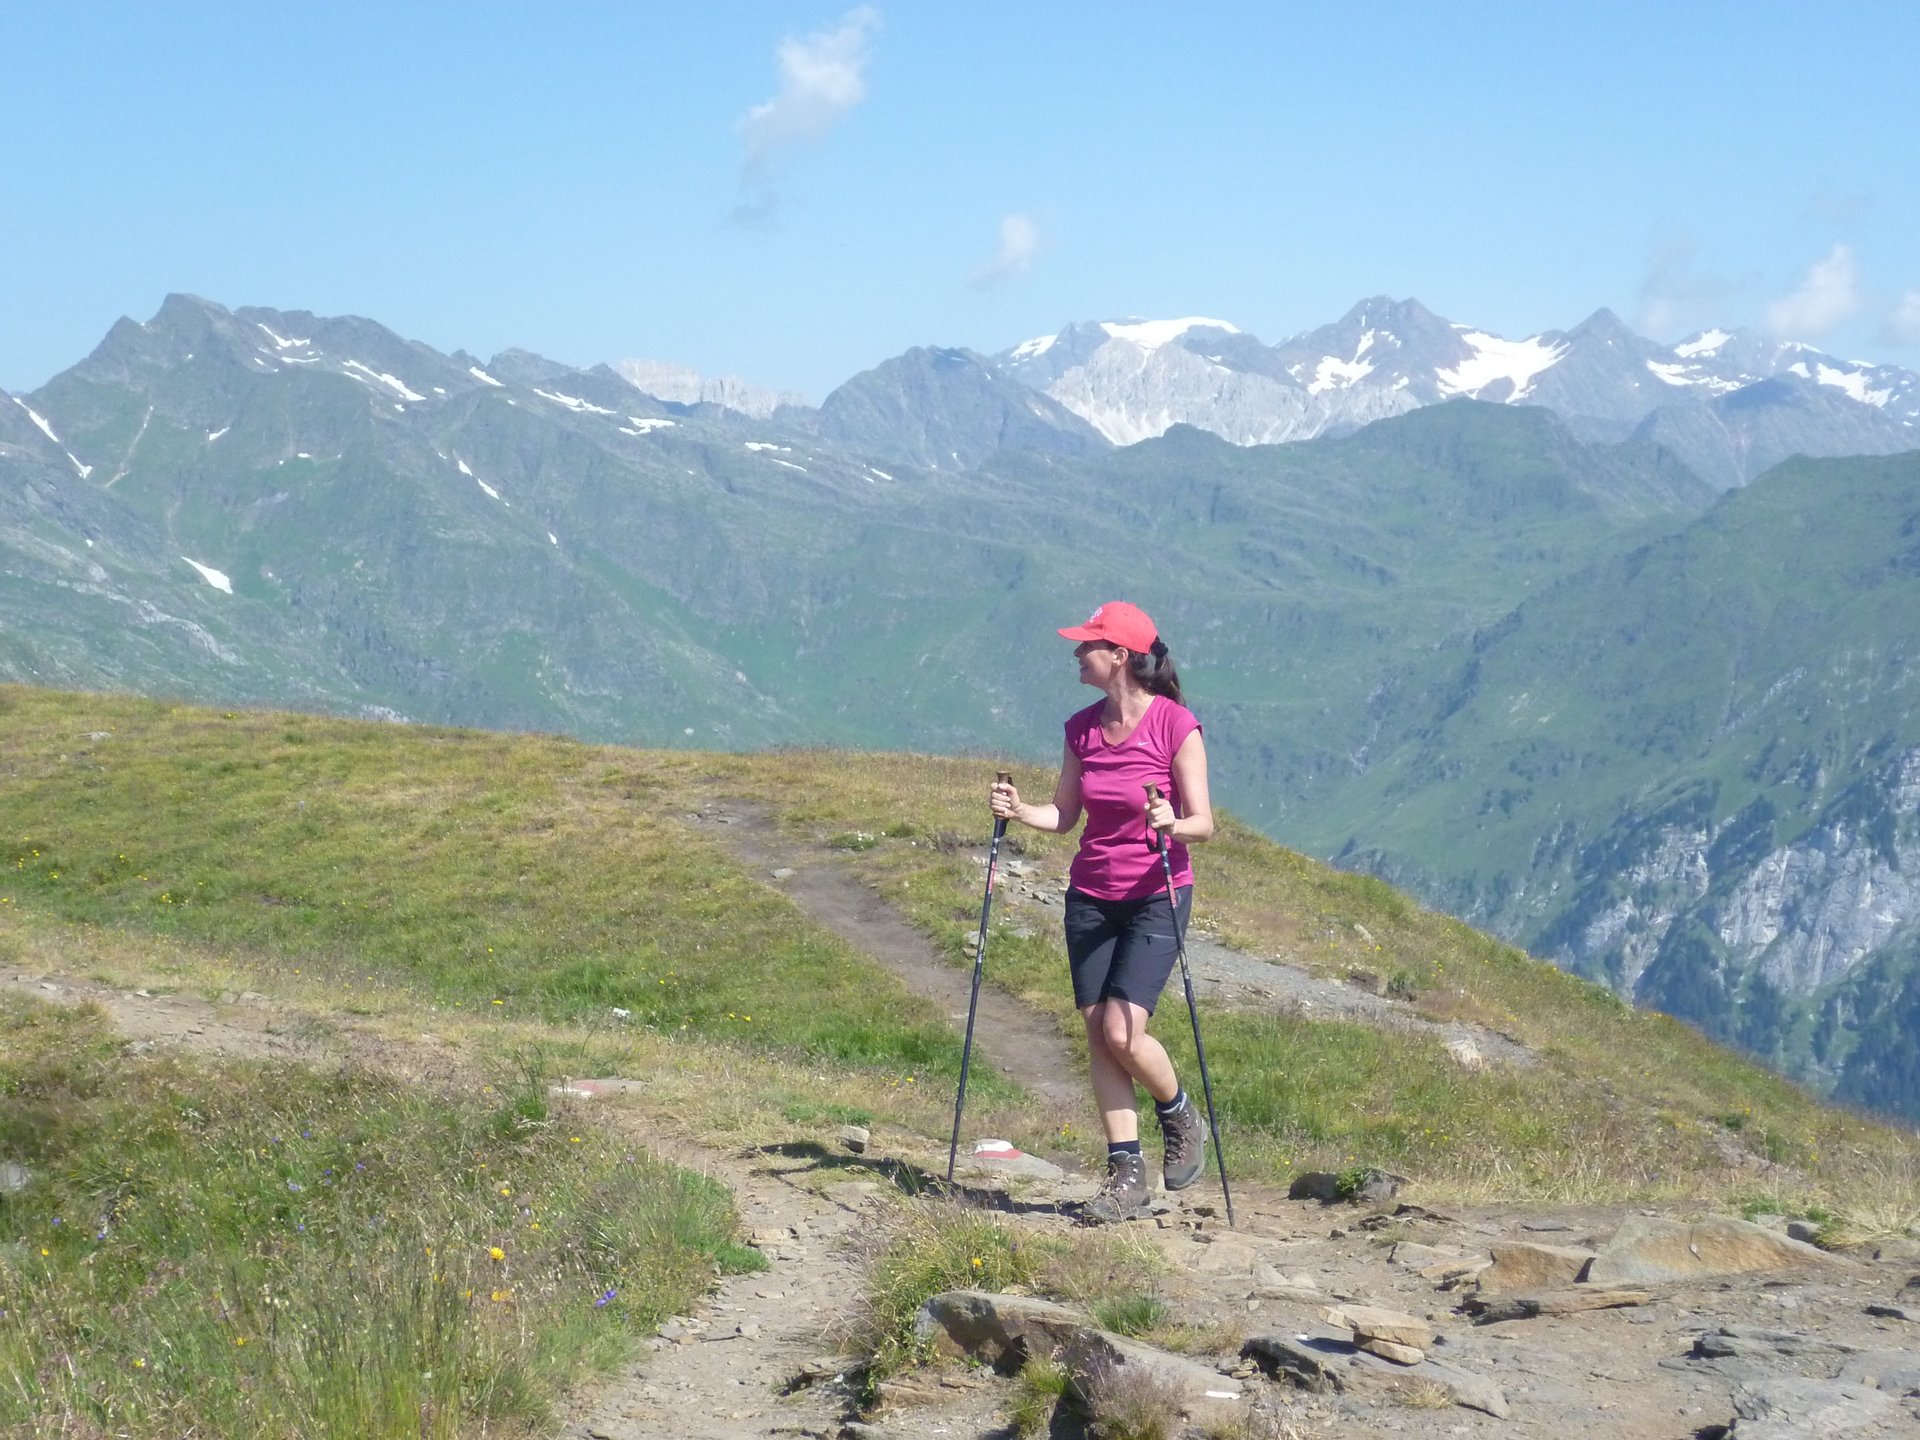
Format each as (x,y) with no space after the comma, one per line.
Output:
(1125,1195)
(1186,1140)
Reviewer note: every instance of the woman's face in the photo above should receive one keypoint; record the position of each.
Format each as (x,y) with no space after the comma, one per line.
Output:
(1098,661)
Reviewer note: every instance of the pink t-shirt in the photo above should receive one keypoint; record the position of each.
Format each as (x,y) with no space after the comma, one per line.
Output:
(1115,861)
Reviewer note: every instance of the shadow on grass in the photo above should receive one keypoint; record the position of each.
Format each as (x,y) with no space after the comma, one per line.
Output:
(911,1180)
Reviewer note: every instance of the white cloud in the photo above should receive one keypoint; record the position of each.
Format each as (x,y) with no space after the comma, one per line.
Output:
(1676,297)
(1019,243)
(1829,294)
(1902,325)
(822,77)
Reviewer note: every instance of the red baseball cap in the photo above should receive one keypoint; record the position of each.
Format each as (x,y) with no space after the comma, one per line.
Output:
(1118,623)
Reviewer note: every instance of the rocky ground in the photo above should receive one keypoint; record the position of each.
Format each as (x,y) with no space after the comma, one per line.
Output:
(1311,1318)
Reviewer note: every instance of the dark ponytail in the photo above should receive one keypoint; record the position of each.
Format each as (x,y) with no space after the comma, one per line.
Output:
(1154,670)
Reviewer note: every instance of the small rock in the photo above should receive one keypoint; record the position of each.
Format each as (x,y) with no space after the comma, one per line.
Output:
(855,1138)
(785,872)
(672,1330)
(1321,1185)
(14,1177)
(1378,1187)
(1807,1232)
(229,997)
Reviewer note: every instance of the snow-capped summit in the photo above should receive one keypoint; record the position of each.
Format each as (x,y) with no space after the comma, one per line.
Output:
(1132,379)
(1152,334)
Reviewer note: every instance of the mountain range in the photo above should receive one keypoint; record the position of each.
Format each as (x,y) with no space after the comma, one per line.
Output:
(1522,625)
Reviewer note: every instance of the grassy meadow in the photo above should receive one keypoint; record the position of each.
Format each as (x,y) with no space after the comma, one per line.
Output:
(203,1235)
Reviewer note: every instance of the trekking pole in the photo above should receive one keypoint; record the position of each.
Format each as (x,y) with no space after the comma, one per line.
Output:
(1186,976)
(1001,777)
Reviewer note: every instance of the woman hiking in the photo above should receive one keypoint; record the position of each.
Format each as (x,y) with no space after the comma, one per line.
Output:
(1121,943)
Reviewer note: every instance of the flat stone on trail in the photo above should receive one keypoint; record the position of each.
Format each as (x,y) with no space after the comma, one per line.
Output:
(1324,1365)
(1416,1256)
(1789,1407)
(1372,1322)
(1004,1331)
(1520,1266)
(1389,1350)
(1493,1310)
(1646,1251)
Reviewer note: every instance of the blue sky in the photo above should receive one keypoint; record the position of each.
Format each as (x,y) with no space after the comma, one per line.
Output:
(793,192)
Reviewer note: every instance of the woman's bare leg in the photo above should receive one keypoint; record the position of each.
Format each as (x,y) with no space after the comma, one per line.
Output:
(1119,1052)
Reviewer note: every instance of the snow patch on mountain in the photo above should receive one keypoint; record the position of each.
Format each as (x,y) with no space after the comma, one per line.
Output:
(483,377)
(1852,382)
(1152,334)
(282,342)
(1708,342)
(1520,362)
(213,577)
(1029,349)
(572,402)
(1334,373)
(380,377)
(37,419)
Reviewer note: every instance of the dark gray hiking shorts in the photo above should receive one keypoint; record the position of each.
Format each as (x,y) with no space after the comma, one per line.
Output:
(1123,949)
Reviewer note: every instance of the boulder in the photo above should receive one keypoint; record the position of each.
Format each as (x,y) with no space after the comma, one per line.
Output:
(1520,1266)
(1005,1331)
(1646,1251)
(855,1138)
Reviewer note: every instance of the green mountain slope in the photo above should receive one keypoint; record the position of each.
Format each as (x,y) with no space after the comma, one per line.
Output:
(1694,771)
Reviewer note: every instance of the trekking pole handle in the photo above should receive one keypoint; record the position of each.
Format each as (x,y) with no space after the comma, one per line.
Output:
(1154,838)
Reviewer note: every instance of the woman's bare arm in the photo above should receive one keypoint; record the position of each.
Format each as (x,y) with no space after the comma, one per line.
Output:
(1057,818)
(1190,779)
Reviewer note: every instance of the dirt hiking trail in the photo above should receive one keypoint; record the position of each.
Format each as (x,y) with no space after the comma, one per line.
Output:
(1819,1346)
